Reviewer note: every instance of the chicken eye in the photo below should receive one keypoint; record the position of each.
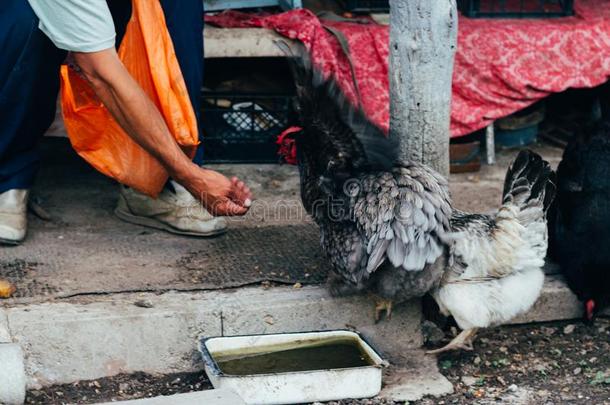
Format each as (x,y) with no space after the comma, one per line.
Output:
(351,188)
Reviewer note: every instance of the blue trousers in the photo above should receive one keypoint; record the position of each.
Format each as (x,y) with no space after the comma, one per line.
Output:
(29,77)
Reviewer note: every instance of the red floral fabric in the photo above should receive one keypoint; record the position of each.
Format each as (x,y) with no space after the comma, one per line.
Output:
(501,65)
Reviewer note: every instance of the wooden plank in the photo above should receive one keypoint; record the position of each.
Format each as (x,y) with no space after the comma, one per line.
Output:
(242,42)
(291,4)
(217,5)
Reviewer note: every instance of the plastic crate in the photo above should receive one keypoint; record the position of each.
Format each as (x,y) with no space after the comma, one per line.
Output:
(243,128)
(516,8)
(367,6)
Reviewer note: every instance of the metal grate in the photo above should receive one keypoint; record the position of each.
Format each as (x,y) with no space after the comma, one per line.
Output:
(244,127)
(516,8)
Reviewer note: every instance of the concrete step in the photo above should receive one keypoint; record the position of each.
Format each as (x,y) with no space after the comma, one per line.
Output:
(102,335)
(106,335)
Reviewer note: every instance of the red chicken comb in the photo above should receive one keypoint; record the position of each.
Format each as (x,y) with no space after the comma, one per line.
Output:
(288,147)
(589,307)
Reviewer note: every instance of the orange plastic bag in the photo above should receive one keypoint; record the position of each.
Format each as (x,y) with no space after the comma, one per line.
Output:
(147,52)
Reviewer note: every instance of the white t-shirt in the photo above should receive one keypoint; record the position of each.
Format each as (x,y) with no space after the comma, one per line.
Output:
(76,25)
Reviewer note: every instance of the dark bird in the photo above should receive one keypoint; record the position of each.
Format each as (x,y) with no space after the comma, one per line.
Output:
(382,221)
(580,217)
(388,226)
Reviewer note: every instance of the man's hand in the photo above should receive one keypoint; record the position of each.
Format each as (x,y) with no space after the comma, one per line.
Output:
(219,195)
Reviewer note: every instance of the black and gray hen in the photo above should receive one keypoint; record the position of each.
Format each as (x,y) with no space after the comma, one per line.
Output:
(382,221)
(580,217)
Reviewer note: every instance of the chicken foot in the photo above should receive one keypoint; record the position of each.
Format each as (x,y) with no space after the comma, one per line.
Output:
(382,304)
(463,341)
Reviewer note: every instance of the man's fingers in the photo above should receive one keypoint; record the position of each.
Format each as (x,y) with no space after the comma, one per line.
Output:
(229,209)
(240,193)
(248,199)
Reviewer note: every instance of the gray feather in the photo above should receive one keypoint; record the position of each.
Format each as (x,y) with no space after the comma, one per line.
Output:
(377,256)
(396,252)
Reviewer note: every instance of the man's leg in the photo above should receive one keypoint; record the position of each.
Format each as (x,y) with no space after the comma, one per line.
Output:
(184,20)
(29,83)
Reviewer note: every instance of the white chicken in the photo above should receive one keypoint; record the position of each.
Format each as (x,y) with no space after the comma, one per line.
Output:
(497,272)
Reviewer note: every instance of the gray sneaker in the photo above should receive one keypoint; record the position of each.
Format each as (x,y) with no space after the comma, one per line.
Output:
(176,212)
(13,216)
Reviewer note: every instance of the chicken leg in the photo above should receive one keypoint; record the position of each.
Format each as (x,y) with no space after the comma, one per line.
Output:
(462,341)
(382,304)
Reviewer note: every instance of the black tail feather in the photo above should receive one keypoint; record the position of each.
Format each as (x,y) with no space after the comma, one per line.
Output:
(322,103)
(531,178)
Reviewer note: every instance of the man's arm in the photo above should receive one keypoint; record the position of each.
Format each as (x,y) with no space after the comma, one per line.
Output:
(140,118)
(85,28)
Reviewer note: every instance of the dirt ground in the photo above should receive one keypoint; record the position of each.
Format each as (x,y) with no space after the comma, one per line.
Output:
(546,364)
(552,363)
(121,387)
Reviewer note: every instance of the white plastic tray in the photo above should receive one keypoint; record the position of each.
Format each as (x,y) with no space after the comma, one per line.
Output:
(293,387)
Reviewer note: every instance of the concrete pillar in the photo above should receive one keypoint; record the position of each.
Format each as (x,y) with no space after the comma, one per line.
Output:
(423,41)
(12,374)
